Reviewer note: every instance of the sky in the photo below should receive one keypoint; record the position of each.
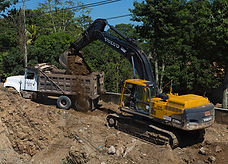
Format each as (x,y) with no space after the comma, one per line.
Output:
(104,11)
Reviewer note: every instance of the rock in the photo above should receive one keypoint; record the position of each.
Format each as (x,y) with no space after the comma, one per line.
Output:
(77,154)
(207,142)
(218,149)
(202,151)
(110,140)
(212,159)
(129,147)
(119,150)
(133,141)
(111,150)
(102,162)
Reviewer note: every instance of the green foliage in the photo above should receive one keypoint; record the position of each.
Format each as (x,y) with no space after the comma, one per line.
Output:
(186,36)
(5,4)
(12,62)
(8,36)
(220,31)
(48,48)
(60,16)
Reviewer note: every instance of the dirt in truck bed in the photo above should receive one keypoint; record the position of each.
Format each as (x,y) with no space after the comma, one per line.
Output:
(36,133)
(77,65)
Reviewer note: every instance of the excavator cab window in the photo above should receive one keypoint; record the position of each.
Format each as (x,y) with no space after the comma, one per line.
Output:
(129,98)
(142,99)
(152,92)
(137,97)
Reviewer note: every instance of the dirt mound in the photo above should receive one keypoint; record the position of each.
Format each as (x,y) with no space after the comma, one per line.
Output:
(37,133)
(30,126)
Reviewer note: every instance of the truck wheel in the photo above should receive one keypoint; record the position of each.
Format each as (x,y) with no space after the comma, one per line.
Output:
(111,120)
(64,102)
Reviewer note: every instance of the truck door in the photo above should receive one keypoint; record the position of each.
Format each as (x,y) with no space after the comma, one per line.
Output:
(30,81)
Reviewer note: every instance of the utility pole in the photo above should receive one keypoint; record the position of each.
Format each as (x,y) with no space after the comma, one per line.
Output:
(25,37)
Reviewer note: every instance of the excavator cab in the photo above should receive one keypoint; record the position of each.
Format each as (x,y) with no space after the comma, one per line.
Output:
(136,95)
(187,112)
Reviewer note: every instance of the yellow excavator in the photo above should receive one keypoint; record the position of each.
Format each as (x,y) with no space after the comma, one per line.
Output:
(140,102)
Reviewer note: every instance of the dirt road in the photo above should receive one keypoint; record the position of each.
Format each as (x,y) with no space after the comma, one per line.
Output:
(37,133)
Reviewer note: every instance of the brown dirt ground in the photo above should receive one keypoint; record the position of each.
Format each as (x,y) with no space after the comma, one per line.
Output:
(36,133)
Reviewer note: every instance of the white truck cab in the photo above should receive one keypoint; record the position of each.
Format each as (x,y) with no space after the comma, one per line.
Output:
(26,82)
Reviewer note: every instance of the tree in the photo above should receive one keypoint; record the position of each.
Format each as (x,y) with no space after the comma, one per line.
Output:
(219,39)
(61,14)
(219,33)
(48,48)
(8,40)
(160,30)
(12,62)
(8,34)
(179,33)
(5,4)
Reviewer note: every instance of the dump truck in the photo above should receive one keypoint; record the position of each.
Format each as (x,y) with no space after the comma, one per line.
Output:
(79,91)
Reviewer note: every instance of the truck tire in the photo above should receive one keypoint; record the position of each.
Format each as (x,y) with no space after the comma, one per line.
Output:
(64,102)
(111,120)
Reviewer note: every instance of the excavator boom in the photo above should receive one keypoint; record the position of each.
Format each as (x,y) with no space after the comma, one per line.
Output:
(122,44)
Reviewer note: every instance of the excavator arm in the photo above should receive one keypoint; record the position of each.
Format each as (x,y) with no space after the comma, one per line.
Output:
(122,44)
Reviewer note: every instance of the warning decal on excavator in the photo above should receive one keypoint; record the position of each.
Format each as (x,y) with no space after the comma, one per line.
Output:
(207,113)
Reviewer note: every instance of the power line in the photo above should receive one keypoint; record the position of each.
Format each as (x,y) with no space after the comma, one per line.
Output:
(126,15)
(89,5)
(95,4)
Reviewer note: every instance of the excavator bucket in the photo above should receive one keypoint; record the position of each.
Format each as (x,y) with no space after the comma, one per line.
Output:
(74,63)
(63,58)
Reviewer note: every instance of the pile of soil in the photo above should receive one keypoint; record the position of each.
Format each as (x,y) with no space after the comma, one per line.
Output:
(36,133)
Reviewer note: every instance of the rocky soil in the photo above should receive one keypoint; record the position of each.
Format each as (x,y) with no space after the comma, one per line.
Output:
(32,132)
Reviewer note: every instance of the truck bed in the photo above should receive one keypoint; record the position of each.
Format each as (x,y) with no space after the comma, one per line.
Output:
(91,85)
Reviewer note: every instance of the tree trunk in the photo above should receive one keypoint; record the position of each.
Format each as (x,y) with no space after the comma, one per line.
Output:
(156,68)
(225,91)
(162,75)
(52,19)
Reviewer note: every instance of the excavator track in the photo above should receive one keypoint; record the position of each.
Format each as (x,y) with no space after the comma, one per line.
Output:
(142,130)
